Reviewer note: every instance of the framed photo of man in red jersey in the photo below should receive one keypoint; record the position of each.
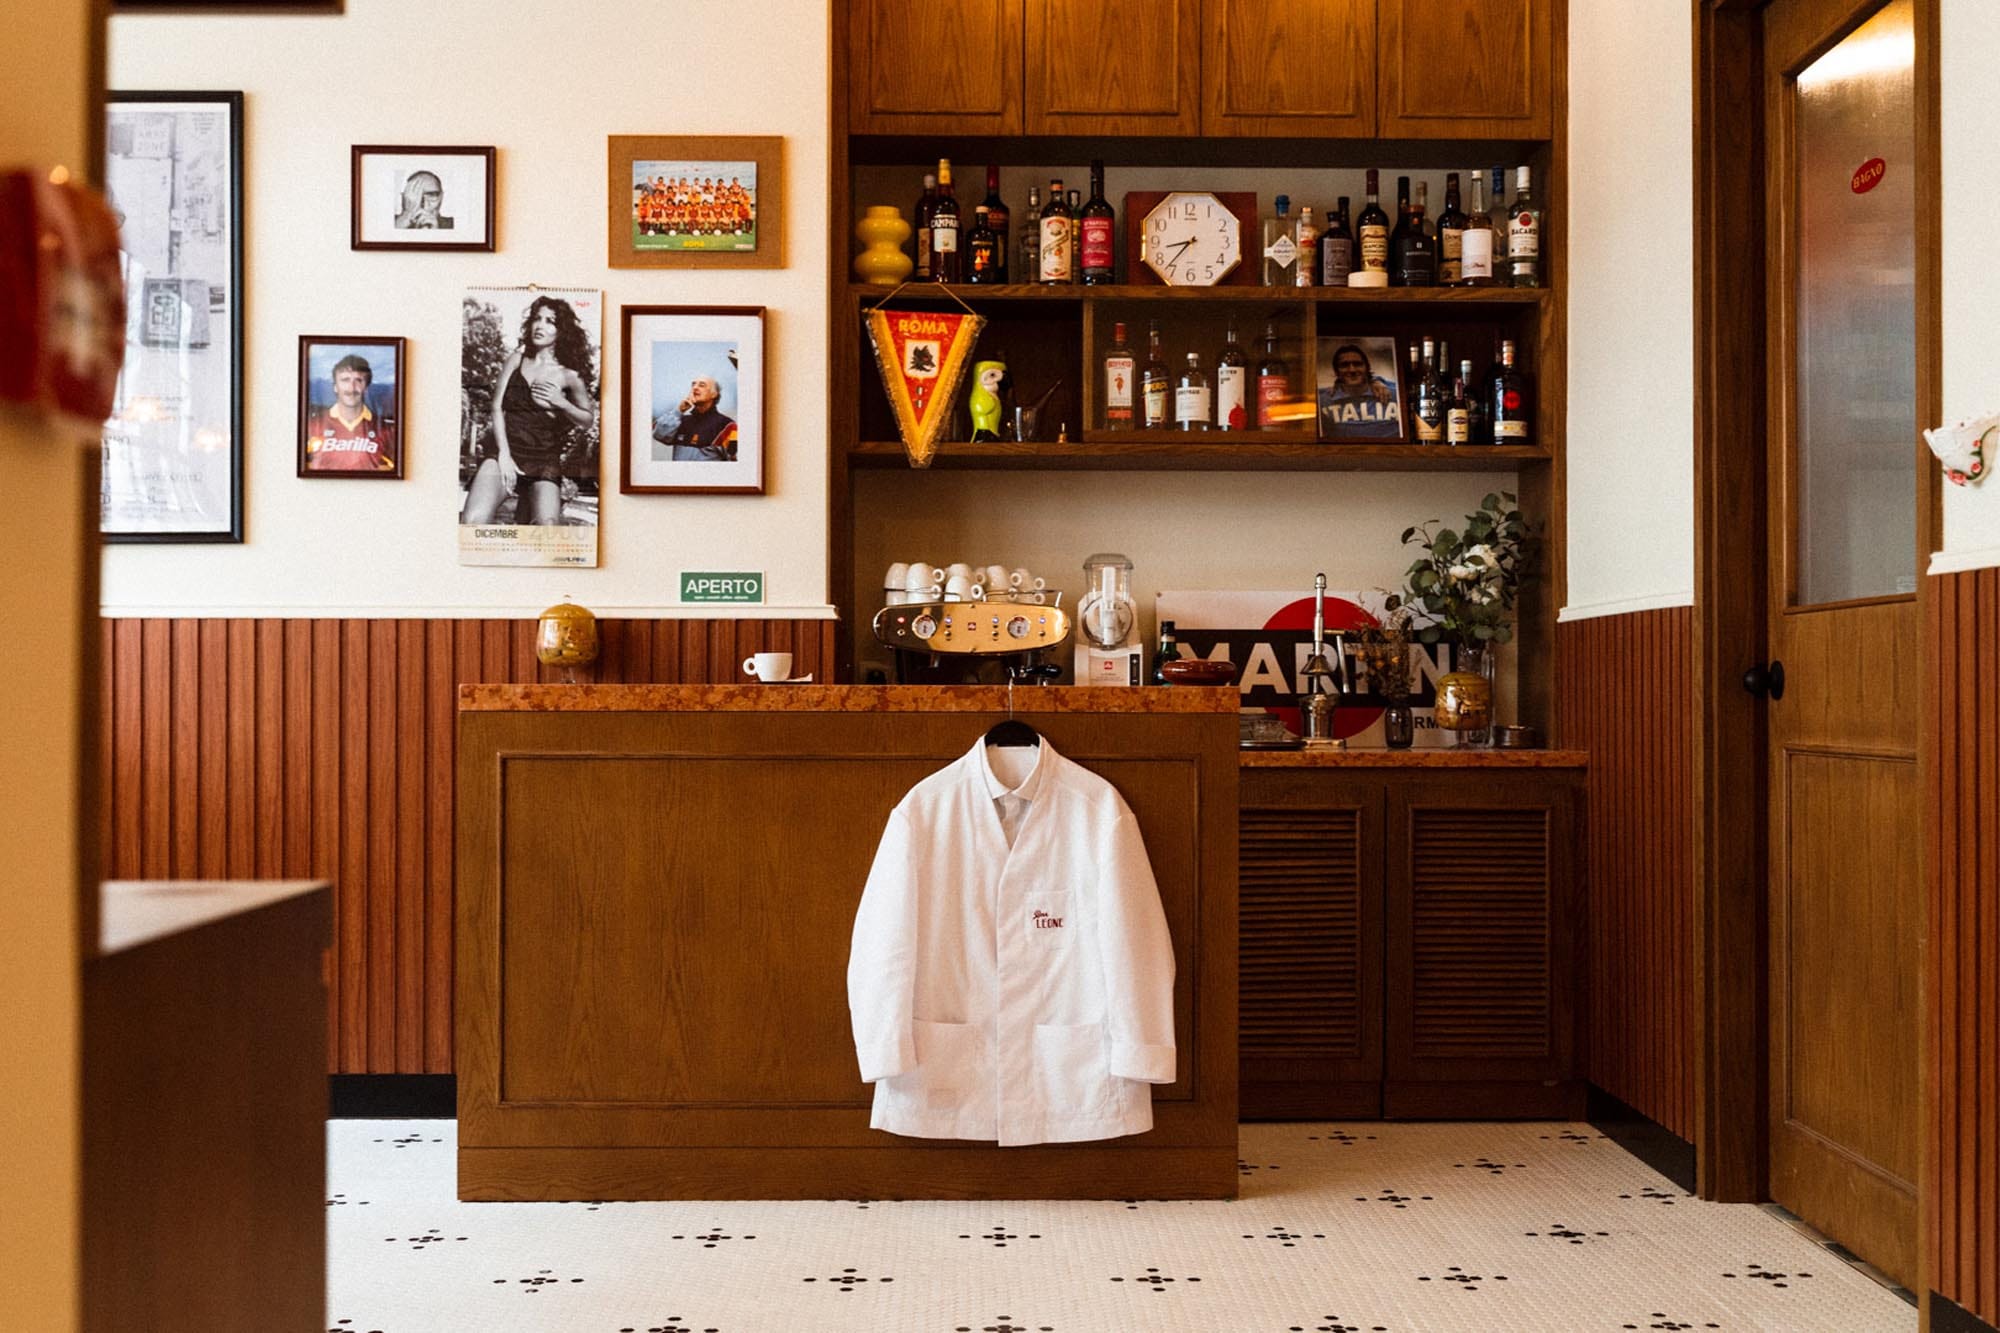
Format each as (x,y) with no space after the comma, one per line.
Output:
(695,201)
(350,407)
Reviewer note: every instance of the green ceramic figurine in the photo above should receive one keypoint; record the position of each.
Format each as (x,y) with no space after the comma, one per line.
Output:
(989,381)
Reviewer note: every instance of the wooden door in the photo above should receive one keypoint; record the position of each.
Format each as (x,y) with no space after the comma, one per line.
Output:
(1113,67)
(1847,533)
(1288,67)
(1466,69)
(921,67)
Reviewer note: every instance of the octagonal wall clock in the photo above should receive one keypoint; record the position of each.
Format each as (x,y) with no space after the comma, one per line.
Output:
(1190,238)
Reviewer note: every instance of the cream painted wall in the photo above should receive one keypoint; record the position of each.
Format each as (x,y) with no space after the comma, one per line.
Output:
(46,91)
(545,85)
(1969,49)
(1631,307)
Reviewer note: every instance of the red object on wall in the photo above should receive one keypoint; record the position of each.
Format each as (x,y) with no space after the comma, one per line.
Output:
(62,297)
(1868,175)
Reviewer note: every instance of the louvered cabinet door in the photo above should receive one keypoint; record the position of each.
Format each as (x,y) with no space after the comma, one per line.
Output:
(1309,944)
(1482,961)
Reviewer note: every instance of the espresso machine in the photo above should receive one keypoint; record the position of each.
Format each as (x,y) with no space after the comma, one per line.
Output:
(1109,650)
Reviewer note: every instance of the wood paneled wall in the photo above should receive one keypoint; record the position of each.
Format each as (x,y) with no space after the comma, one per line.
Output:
(1961,1196)
(1625,688)
(324,749)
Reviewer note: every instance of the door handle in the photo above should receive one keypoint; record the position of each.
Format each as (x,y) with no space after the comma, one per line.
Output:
(1766,680)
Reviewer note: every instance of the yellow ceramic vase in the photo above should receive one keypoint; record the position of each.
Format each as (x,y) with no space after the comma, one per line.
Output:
(882,233)
(1465,696)
(566,636)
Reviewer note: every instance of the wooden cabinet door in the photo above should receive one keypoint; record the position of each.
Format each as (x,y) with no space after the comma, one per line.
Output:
(1466,69)
(1113,67)
(1309,945)
(925,67)
(1482,921)
(1290,68)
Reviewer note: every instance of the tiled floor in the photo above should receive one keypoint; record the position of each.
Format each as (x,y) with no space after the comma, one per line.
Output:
(1375,1228)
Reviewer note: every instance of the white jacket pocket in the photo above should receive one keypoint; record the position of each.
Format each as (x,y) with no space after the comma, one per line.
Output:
(953,1068)
(1071,1072)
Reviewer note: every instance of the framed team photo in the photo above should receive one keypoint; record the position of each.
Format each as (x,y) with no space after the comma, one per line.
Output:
(695,201)
(693,380)
(351,407)
(172,462)
(1360,390)
(408,197)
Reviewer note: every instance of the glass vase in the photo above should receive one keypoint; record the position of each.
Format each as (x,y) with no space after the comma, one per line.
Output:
(1399,724)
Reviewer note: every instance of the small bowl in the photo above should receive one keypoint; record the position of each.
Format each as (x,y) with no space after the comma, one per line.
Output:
(1516,737)
(1198,671)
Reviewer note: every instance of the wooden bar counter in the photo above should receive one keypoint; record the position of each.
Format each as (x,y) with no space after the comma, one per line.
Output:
(656,894)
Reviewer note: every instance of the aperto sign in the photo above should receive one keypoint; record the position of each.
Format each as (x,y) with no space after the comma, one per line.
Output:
(722,587)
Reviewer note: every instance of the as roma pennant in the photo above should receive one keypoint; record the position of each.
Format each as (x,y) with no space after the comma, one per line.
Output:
(923,357)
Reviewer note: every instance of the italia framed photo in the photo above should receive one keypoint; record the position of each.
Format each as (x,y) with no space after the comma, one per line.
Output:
(412,197)
(693,406)
(695,201)
(172,466)
(1360,390)
(351,407)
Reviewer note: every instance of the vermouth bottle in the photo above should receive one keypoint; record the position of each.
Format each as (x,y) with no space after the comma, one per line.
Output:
(1476,245)
(1429,422)
(1336,249)
(920,226)
(1058,238)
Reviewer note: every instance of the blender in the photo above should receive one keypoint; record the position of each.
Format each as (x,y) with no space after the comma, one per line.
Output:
(1109,650)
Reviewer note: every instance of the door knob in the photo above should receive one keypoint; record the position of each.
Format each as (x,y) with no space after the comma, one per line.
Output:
(1768,680)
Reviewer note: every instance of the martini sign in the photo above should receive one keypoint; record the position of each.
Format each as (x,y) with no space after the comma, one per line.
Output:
(1269,636)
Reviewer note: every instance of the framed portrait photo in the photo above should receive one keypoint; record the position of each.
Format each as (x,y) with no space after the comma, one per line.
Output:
(694,400)
(351,407)
(1360,390)
(408,197)
(173,445)
(695,201)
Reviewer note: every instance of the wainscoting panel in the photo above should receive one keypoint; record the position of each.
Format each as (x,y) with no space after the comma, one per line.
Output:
(1625,691)
(1961,1197)
(324,749)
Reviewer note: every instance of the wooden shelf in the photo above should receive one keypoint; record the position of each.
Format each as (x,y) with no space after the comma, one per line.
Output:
(1149,452)
(1333,296)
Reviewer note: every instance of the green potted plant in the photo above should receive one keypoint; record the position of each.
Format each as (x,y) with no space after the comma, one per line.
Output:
(1467,582)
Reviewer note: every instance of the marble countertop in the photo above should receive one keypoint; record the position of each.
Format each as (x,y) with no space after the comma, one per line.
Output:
(844,699)
(1329,757)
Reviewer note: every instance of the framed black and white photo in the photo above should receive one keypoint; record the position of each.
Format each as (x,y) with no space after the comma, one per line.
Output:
(351,407)
(173,445)
(693,379)
(409,197)
(529,379)
(1360,390)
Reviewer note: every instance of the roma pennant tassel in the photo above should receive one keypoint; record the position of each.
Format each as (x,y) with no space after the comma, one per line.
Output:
(923,356)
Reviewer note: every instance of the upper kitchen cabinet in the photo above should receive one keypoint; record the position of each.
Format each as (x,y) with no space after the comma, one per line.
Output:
(925,67)
(1289,68)
(1113,67)
(1466,69)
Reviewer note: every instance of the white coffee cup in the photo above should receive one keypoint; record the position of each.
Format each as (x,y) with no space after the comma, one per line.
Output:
(995,578)
(957,588)
(768,667)
(897,577)
(920,577)
(958,570)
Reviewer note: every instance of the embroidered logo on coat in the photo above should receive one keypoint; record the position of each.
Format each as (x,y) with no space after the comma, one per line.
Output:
(1043,921)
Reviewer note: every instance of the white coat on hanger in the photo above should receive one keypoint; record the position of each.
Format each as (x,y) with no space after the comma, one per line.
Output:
(1023,994)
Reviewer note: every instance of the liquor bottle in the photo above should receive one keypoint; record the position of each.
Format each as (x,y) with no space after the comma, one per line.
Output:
(1155,382)
(1451,235)
(1416,262)
(1099,223)
(1308,239)
(1336,249)
(1119,369)
(1075,204)
(1478,427)
(1412,382)
(1281,247)
(1524,234)
(1058,238)
(1193,404)
(920,226)
(1477,243)
(1512,414)
(1458,411)
(1371,230)
(997,218)
(1274,379)
(1428,420)
(1232,383)
(947,263)
(1169,651)
(1500,238)
(1444,363)
(1399,239)
(982,249)
(1030,269)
